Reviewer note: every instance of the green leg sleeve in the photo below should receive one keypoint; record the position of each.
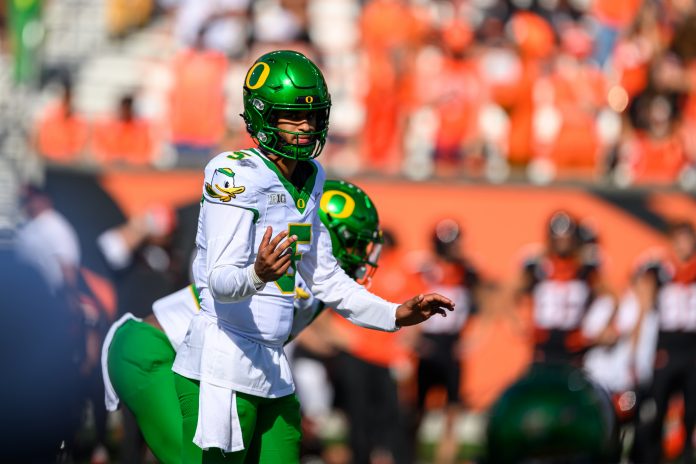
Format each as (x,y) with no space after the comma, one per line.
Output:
(140,362)
(188,392)
(278,432)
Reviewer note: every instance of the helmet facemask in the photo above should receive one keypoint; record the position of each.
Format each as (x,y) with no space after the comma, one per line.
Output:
(297,150)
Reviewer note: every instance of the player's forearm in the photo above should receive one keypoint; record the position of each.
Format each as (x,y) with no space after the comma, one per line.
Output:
(229,283)
(355,303)
(368,310)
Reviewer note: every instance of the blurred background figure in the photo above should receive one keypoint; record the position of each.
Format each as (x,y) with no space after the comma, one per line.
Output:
(224,24)
(144,264)
(562,283)
(667,291)
(197,102)
(124,138)
(48,242)
(438,348)
(61,133)
(42,402)
(625,369)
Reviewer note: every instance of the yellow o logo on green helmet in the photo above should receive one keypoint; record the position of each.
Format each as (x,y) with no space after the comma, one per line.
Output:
(348,205)
(309,99)
(262,78)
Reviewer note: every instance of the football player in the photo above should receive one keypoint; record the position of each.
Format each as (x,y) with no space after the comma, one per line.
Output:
(669,288)
(450,273)
(553,415)
(138,354)
(563,283)
(258,226)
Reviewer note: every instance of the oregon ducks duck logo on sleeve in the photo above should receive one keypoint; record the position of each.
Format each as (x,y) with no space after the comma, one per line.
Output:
(222,186)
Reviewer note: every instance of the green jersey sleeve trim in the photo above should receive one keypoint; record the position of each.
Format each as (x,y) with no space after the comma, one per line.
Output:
(196,296)
(300,197)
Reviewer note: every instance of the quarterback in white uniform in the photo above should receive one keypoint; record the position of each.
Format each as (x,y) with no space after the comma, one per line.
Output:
(234,382)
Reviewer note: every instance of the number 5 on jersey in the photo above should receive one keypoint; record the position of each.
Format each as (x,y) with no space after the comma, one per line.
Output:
(286,283)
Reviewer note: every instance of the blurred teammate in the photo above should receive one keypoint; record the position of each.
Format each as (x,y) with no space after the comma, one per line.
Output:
(563,282)
(553,415)
(670,291)
(258,226)
(365,359)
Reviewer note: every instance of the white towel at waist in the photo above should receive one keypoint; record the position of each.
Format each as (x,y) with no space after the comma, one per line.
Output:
(218,421)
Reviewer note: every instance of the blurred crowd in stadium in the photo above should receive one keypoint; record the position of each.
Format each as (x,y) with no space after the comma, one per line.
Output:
(598,91)
(555,89)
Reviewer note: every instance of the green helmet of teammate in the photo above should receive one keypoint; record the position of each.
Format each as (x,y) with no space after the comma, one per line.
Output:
(282,81)
(353,224)
(554,414)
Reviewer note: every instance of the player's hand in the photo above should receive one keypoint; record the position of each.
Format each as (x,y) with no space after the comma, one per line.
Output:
(274,258)
(421,308)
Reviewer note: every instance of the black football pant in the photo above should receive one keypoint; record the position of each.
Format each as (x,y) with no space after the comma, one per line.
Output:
(370,402)
(675,372)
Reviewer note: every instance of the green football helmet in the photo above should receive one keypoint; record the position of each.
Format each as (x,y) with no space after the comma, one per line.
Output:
(283,81)
(353,224)
(553,414)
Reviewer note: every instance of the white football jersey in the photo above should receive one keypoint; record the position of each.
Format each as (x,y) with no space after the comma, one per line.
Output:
(247,180)
(676,306)
(236,341)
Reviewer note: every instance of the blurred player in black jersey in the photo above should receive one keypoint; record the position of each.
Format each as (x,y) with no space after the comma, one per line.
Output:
(562,283)
(439,353)
(670,288)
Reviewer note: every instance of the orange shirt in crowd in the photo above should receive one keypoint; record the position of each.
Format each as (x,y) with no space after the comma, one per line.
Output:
(61,137)
(390,31)
(534,38)
(459,96)
(579,92)
(631,62)
(118,141)
(197,99)
(387,25)
(383,128)
(520,141)
(657,160)
(684,271)
(616,13)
